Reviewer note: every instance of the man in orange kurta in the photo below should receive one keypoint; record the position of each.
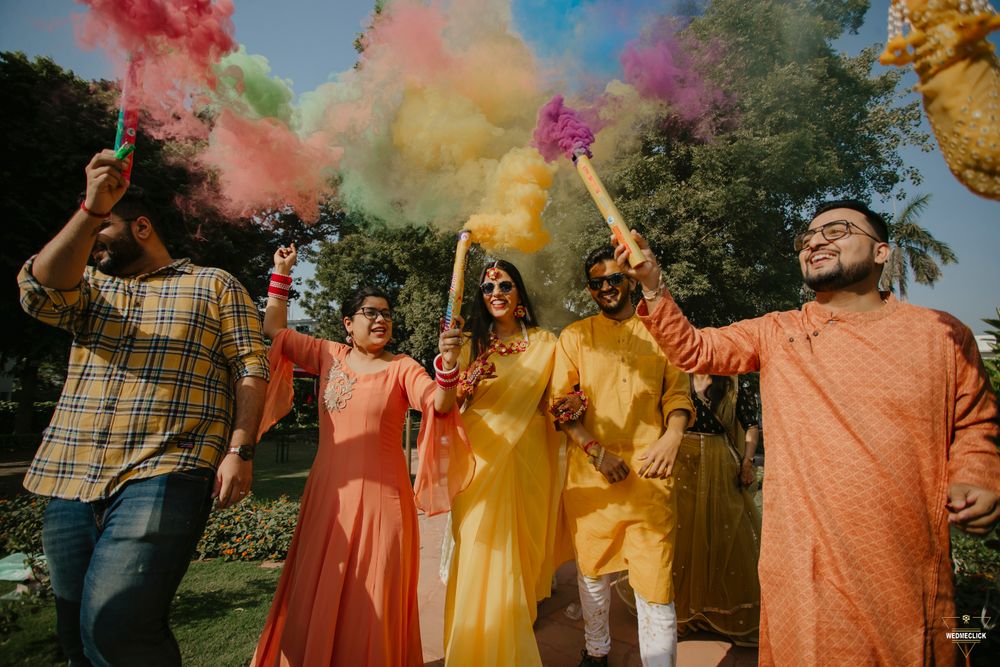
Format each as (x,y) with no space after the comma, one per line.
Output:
(882,435)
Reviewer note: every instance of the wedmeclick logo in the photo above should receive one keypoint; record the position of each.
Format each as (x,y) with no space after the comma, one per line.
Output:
(965,634)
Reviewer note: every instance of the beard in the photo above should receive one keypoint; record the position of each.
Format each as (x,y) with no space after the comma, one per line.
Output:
(119,254)
(615,308)
(839,277)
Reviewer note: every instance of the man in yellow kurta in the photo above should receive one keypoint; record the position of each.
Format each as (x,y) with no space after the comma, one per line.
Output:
(625,409)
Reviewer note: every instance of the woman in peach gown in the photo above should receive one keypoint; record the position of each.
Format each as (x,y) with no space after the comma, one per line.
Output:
(348,590)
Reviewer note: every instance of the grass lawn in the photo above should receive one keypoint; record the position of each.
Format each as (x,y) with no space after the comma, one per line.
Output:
(271,479)
(216,616)
(220,607)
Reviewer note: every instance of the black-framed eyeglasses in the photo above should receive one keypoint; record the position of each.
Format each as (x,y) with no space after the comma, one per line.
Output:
(372,313)
(831,231)
(505,286)
(613,279)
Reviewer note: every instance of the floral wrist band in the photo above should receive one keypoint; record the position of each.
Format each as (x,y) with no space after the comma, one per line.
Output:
(569,407)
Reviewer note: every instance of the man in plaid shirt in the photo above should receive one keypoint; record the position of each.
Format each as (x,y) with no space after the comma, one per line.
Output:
(158,416)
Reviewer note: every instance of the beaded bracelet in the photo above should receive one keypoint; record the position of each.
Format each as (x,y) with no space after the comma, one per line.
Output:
(654,294)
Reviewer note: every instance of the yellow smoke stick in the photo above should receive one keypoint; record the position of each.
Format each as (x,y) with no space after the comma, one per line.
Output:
(457,280)
(608,209)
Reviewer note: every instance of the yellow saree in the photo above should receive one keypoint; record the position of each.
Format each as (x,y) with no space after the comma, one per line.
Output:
(504,522)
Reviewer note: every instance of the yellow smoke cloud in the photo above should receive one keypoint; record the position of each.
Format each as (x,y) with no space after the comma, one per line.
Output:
(511,211)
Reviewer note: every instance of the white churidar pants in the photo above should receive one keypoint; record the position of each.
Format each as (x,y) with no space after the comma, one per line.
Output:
(657,623)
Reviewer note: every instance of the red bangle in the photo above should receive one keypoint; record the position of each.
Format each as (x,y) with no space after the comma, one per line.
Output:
(102,216)
(587,445)
(446,385)
(278,278)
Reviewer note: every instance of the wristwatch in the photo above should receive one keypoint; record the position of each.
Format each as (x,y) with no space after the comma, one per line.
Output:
(245,452)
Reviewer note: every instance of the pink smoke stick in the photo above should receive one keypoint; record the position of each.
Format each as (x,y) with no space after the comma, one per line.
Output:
(560,130)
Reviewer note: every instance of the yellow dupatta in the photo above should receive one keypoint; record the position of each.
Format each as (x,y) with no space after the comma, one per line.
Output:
(504,522)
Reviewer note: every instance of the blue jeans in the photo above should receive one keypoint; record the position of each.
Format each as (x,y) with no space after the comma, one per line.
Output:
(116,564)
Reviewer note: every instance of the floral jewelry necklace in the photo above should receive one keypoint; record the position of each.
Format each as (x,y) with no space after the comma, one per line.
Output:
(482,368)
(504,349)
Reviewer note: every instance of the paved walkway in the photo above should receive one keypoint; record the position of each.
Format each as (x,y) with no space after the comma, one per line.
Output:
(559,638)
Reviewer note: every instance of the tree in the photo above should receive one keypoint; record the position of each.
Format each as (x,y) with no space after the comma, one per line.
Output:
(411,264)
(914,249)
(804,124)
(53,123)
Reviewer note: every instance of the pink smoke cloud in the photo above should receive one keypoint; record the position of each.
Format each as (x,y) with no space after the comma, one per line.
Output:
(560,130)
(662,65)
(264,165)
(174,44)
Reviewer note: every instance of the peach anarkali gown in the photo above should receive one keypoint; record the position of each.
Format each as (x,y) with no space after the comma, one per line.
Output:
(348,591)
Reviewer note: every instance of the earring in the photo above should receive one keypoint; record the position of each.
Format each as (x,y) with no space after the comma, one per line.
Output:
(350,340)
(519,311)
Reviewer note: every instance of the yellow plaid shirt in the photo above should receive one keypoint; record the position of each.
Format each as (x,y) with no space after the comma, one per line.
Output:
(150,387)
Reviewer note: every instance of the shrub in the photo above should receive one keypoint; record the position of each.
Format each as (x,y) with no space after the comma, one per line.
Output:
(21,523)
(252,530)
(977,585)
(41,415)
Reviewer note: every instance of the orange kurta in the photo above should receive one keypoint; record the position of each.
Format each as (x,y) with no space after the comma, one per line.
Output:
(869,417)
(348,591)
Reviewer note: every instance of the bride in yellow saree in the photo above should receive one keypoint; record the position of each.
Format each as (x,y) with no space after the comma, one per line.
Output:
(504,522)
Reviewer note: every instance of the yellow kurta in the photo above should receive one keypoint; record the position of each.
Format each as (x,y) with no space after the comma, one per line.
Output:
(960,83)
(631,388)
(504,522)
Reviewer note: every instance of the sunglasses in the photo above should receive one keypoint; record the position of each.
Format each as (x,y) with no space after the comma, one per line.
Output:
(505,286)
(614,280)
(372,313)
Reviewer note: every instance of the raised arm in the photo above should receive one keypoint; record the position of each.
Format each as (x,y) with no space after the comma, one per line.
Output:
(276,312)
(61,262)
(728,350)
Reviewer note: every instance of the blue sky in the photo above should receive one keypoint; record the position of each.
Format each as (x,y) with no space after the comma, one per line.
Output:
(310,40)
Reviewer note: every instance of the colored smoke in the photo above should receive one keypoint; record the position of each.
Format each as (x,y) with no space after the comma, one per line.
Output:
(263,164)
(174,44)
(433,126)
(512,208)
(662,65)
(560,131)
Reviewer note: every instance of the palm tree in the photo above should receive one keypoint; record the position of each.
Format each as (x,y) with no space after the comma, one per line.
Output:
(914,249)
